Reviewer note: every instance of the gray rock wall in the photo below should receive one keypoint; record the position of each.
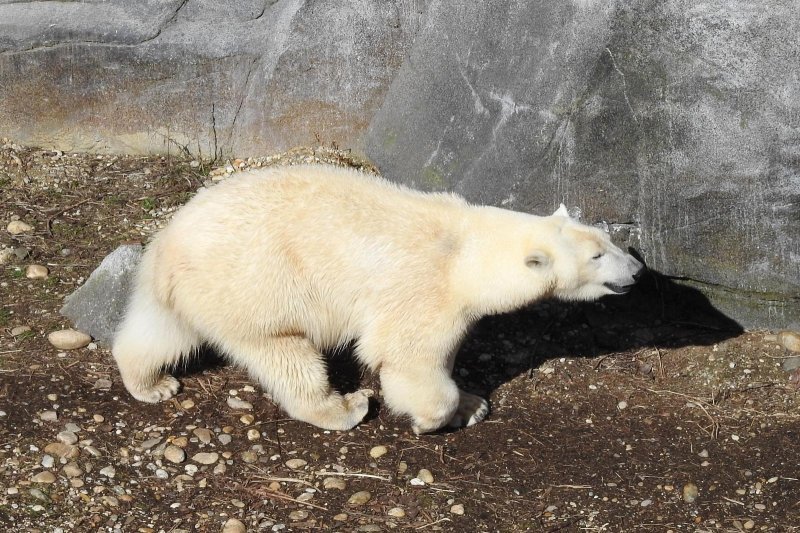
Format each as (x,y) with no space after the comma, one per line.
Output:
(675,122)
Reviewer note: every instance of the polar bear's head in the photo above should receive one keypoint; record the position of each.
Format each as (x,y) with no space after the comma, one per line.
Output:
(583,261)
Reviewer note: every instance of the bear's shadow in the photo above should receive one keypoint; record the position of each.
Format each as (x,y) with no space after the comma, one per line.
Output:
(657,313)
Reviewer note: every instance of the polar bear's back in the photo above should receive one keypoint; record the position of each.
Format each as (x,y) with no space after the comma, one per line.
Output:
(293,248)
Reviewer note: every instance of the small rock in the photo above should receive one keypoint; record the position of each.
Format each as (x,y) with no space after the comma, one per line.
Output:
(48,416)
(396,512)
(417,482)
(68,339)
(749,524)
(789,340)
(187,404)
(690,492)
(39,495)
(622,405)
(180,442)
(237,403)
(253,434)
(44,477)
(334,483)
(224,439)
(108,471)
(233,526)
(60,449)
(296,463)
(341,517)
(149,443)
(249,456)
(72,470)
(247,419)
(646,503)
(36,272)
(790,364)
(205,458)
(16,227)
(298,515)
(48,461)
(98,418)
(174,454)
(203,434)
(378,451)
(425,475)
(19,330)
(703,453)
(67,437)
(457,509)
(359,498)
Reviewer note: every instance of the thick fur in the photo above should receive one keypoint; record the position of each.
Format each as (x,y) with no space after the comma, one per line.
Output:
(275,266)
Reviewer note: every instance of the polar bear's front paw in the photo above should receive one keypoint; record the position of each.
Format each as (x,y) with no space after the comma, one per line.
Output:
(357,406)
(471,410)
(164,389)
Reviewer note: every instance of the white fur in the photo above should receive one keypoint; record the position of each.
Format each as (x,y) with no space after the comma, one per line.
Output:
(275,266)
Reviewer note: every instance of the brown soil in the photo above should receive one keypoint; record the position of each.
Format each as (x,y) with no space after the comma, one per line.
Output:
(602,413)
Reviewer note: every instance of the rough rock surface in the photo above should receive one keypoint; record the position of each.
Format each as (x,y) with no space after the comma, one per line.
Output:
(675,122)
(98,305)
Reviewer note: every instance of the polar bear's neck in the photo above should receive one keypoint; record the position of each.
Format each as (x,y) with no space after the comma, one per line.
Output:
(490,274)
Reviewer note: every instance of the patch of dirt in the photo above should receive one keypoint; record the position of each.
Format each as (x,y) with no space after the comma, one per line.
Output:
(605,416)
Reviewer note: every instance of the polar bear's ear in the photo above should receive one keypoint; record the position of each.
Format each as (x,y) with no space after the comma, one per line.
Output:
(561,211)
(537,259)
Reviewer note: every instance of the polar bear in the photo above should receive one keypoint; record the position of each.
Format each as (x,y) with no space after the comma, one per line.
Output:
(275,266)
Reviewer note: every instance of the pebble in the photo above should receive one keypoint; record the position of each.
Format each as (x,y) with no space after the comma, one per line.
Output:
(622,405)
(457,509)
(15,227)
(174,454)
(39,495)
(44,477)
(296,463)
(298,515)
(703,453)
(68,339)
(249,456)
(48,416)
(396,512)
(760,506)
(203,434)
(102,383)
(690,492)
(36,272)
(359,498)
(788,339)
(98,418)
(334,483)
(19,330)
(205,458)
(378,451)
(417,482)
(238,403)
(224,439)
(233,526)
(67,437)
(180,442)
(68,451)
(341,517)
(108,471)
(253,434)
(425,475)
(789,364)
(72,470)
(48,461)
(749,524)
(187,404)
(247,419)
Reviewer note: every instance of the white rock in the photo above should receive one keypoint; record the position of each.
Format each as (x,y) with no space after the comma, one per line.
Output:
(334,483)
(67,437)
(174,454)
(15,227)
(234,526)
(19,330)
(68,339)
(396,512)
(44,477)
(36,272)
(238,403)
(378,451)
(360,498)
(108,471)
(203,434)
(48,416)
(457,509)
(425,475)
(205,458)
(296,463)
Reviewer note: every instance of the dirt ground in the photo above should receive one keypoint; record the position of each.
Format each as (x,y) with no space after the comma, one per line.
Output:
(648,412)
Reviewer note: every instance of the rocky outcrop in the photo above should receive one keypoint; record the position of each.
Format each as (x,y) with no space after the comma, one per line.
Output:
(676,123)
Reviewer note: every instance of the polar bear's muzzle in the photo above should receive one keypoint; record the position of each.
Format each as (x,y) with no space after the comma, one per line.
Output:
(620,288)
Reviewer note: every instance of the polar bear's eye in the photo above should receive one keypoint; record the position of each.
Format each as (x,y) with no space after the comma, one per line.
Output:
(598,256)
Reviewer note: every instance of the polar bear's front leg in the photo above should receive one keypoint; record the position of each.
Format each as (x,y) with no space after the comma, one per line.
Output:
(293,371)
(430,397)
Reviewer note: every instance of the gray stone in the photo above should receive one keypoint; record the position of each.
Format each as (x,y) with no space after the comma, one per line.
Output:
(97,306)
(674,123)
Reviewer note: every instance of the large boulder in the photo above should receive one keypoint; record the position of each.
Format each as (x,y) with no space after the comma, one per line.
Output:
(675,123)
